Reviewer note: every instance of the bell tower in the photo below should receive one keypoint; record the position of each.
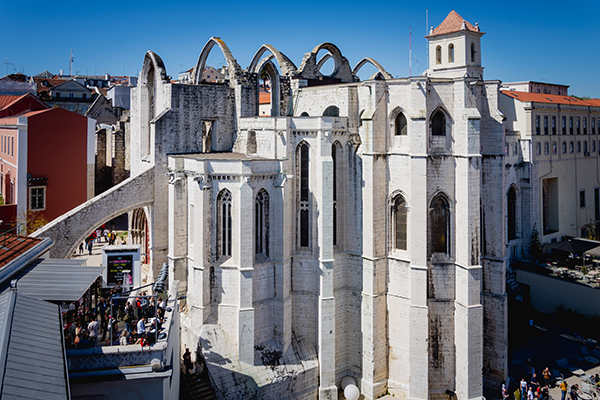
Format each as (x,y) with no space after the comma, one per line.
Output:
(455,49)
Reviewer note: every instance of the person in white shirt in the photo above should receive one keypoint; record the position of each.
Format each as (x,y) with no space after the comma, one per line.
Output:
(141,326)
(93,330)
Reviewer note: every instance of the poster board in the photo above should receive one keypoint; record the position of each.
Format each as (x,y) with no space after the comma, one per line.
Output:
(118,259)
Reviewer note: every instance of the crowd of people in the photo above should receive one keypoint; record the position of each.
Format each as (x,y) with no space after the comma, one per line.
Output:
(97,236)
(539,389)
(136,320)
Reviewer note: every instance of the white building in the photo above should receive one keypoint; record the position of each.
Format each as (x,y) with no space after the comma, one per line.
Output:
(552,172)
(358,230)
(355,232)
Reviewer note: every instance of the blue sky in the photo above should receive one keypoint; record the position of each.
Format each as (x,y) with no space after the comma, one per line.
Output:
(525,40)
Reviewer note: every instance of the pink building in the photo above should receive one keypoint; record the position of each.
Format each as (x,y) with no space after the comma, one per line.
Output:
(46,159)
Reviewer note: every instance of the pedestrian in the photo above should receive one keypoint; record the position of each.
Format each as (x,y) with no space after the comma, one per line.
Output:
(530,369)
(504,391)
(563,390)
(93,330)
(573,393)
(81,248)
(523,388)
(187,361)
(530,394)
(534,383)
(123,338)
(547,376)
(141,327)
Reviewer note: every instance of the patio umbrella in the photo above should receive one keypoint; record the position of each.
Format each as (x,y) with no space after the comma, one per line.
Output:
(594,252)
(572,246)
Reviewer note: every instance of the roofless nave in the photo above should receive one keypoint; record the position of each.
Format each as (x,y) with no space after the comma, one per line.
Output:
(357,231)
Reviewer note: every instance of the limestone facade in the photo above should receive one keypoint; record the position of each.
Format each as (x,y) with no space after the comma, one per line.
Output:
(359,231)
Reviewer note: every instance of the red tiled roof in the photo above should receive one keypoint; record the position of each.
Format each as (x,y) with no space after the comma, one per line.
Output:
(6,100)
(12,246)
(453,23)
(264,98)
(550,98)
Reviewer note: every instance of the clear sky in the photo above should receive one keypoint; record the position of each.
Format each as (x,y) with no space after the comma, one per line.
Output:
(545,41)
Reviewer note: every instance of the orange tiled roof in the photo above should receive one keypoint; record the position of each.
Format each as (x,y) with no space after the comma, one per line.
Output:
(6,100)
(264,97)
(12,246)
(550,98)
(453,23)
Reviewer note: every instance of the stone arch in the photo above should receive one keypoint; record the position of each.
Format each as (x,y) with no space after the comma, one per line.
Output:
(286,65)
(304,114)
(153,74)
(334,52)
(386,75)
(323,60)
(138,231)
(231,62)
(71,228)
(275,88)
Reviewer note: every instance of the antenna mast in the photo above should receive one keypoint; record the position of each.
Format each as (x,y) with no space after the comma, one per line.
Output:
(427,33)
(71,63)
(409,51)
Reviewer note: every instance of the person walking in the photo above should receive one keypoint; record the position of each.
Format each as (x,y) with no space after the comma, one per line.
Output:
(547,376)
(187,361)
(563,390)
(81,248)
(504,391)
(523,388)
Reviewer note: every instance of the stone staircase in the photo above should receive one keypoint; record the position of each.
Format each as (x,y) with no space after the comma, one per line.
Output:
(198,384)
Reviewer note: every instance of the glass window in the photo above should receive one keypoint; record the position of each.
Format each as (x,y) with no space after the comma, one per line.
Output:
(571,147)
(224,223)
(512,213)
(579,147)
(438,123)
(545,124)
(261,223)
(564,147)
(451,53)
(570,125)
(37,198)
(538,149)
(304,216)
(554,148)
(582,198)
(537,124)
(546,148)
(564,125)
(400,125)
(554,125)
(584,125)
(440,225)
(399,216)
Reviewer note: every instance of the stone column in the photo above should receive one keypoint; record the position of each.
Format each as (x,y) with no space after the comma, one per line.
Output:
(178,224)
(418,222)
(199,294)
(323,194)
(468,319)
(244,251)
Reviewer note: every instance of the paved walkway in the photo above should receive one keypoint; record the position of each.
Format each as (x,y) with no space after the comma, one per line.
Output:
(94,260)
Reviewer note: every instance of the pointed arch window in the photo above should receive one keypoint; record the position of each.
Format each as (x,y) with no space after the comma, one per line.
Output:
(440,225)
(438,55)
(401,125)
(336,153)
(512,213)
(224,223)
(302,157)
(438,123)
(261,223)
(399,222)
(473,52)
(451,53)
(331,111)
